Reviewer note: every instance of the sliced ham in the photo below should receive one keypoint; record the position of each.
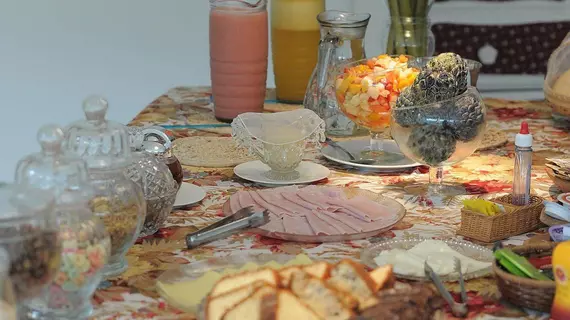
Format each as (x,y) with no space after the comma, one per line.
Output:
(234,202)
(339,226)
(374,209)
(314,210)
(319,200)
(275,224)
(276,199)
(343,217)
(297,225)
(294,197)
(320,227)
(349,209)
(245,200)
(264,204)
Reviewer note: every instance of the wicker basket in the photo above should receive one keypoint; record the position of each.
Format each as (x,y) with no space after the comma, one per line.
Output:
(516,220)
(524,292)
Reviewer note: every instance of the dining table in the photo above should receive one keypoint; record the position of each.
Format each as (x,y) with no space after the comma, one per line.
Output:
(188,111)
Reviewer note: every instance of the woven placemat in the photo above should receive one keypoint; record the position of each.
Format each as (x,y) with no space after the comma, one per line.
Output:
(492,139)
(212,152)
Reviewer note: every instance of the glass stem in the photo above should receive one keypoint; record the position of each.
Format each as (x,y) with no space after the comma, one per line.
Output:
(376,142)
(435,179)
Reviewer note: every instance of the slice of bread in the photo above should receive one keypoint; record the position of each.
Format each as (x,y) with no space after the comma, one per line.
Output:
(217,306)
(290,307)
(234,281)
(351,277)
(285,275)
(383,277)
(326,301)
(320,270)
(258,306)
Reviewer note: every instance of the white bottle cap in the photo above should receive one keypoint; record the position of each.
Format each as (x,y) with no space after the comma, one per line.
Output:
(523,138)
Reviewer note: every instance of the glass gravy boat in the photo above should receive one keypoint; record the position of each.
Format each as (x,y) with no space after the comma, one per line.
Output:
(279,140)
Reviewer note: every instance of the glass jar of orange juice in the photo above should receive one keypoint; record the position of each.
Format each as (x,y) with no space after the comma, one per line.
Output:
(295,39)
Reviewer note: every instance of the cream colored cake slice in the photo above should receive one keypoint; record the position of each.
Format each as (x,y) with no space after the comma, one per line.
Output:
(326,301)
(255,307)
(351,278)
(217,306)
(234,281)
(290,307)
(320,270)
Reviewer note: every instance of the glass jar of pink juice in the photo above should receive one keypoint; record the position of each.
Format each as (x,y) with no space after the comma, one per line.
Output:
(238,56)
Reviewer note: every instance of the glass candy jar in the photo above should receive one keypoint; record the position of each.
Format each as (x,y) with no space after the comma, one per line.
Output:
(156,134)
(86,244)
(28,233)
(158,185)
(118,201)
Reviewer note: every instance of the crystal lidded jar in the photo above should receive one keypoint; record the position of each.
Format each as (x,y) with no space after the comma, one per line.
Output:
(151,172)
(86,243)
(117,201)
(28,233)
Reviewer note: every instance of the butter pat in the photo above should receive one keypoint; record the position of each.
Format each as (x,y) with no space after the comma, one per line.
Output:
(187,295)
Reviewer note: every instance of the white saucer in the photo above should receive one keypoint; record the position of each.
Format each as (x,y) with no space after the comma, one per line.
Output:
(356,146)
(254,171)
(189,194)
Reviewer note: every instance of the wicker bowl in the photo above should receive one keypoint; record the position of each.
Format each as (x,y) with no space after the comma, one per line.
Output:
(524,292)
(562,184)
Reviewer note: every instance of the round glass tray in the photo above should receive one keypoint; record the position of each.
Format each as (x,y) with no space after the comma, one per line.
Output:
(465,248)
(349,192)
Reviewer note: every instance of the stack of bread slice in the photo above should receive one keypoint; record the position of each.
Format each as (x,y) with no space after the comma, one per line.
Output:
(316,291)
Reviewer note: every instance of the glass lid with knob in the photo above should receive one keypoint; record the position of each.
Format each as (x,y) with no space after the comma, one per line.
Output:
(54,169)
(102,143)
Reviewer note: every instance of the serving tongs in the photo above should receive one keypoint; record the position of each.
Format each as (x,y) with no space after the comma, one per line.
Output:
(243,219)
(459,309)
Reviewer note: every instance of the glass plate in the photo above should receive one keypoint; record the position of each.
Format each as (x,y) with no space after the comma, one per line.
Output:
(194,270)
(466,248)
(349,192)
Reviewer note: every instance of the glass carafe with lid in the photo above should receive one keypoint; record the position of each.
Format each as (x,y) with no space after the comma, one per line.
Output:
(342,39)
(152,173)
(29,235)
(86,244)
(118,201)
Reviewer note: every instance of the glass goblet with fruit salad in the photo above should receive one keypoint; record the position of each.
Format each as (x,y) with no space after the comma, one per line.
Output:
(367,91)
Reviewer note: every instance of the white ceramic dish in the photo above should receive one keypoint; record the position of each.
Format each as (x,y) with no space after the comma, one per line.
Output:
(254,171)
(466,248)
(188,194)
(557,211)
(564,198)
(357,146)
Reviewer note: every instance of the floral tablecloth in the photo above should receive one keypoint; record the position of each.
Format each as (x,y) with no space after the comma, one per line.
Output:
(132,295)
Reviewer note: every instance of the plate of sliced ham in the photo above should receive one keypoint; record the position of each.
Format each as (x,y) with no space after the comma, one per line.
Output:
(319,213)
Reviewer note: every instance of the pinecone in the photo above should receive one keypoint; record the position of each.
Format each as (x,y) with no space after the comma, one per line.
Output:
(406,117)
(467,115)
(433,144)
(443,78)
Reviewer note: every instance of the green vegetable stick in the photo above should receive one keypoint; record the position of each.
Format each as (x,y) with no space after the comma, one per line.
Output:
(396,27)
(408,26)
(422,13)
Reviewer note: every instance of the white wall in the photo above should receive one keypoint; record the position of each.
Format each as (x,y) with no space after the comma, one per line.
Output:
(53,53)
